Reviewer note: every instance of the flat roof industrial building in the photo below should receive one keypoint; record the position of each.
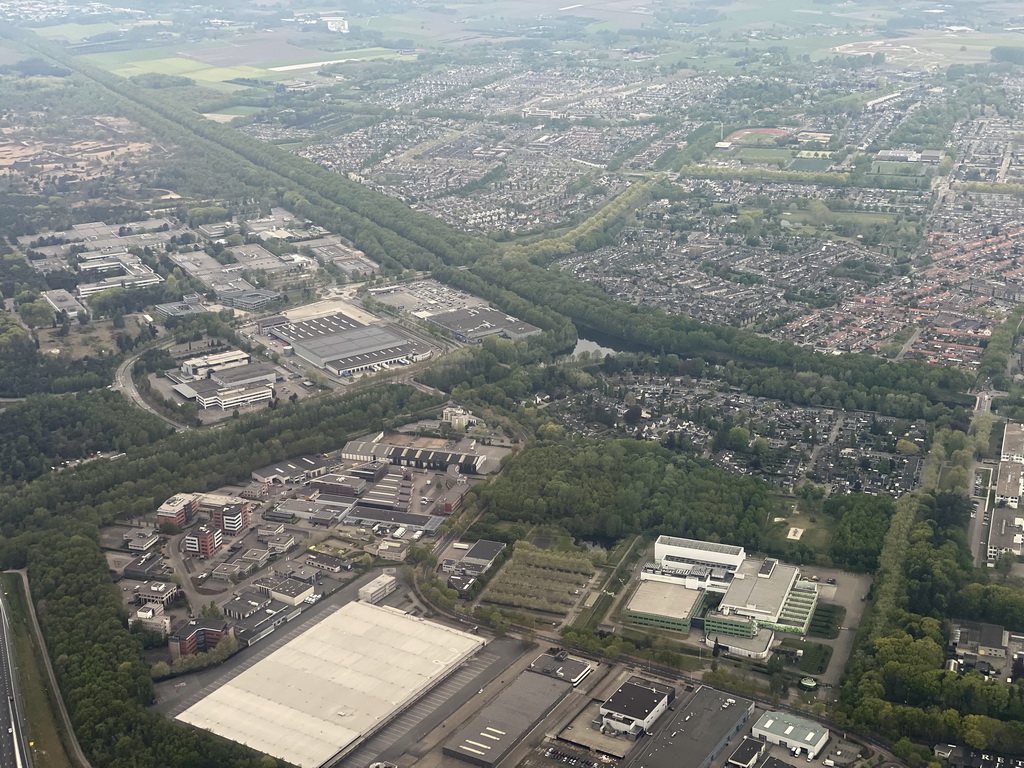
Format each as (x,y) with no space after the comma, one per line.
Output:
(664,605)
(473,324)
(698,731)
(344,345)
(326,690)
(487,738)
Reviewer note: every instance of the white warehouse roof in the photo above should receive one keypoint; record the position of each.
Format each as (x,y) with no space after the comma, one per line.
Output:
(333,684)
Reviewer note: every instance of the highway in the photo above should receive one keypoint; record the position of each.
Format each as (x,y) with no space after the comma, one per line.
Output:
(14,752)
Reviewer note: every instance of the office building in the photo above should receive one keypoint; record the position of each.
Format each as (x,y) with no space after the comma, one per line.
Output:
(378,589)
(197,636)
(204,542)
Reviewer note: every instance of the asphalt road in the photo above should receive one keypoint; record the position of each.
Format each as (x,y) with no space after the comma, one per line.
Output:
(124,384)
(13,740)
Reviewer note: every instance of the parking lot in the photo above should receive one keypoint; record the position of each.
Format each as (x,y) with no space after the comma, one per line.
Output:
(849,591)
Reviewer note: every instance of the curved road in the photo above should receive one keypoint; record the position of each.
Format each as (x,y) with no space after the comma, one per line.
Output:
(124,384)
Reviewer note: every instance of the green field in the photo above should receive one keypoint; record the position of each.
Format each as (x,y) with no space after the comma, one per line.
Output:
(763,155)
(810,164)
(48,750)
(76,33)
(173,60)
(9,54)
(861,218)
(816,535)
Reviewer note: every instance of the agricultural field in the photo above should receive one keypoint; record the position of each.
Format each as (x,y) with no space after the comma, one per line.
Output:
(267,56)
(540,580)
(76,33)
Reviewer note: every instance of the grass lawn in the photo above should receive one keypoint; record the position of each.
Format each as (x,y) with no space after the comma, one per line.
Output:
(816,535)
(815,659)
(763,155)
(43,730)
(810,164)
(590,618)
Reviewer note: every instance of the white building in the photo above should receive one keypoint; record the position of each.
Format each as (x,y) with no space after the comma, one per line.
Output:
(792,732)
(378,589)
(672,553)
(1009,484)
(1013,443)
(635,707)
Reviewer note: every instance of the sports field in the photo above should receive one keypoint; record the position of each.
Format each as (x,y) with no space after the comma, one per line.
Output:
(757,137)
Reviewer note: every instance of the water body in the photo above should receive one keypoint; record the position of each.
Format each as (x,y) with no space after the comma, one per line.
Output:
(595,341)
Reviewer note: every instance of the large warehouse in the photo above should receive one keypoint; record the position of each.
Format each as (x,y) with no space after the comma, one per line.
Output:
(326,690)
(345,346)
(503,723)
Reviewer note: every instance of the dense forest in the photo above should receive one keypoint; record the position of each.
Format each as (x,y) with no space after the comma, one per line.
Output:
(611,488)
(861,523)
(896,684)
(51,524)
(45,430)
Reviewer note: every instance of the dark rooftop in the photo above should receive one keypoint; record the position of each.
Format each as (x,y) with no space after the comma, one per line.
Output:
(484,550)
(499,726)
(637,698)
(747,752)
(695,729)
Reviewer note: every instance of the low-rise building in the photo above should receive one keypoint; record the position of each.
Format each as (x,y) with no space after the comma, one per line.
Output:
(481,556)
(232,518)
(153,618)
(562,666)
(794,733)
(141,541)
(1009,484)
(979,638)
(178,510)
(664,605)
(393,550)
(284,590)
(378,589)
(697,732)
(62,301)
(1013,443)
(634,707)
(197,636)
(328,563)
(157,593)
